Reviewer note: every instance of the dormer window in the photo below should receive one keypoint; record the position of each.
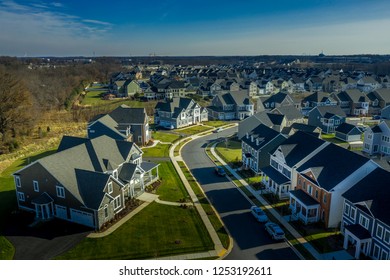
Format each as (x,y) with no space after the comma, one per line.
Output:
(252,138)
(247,135)
(115,174)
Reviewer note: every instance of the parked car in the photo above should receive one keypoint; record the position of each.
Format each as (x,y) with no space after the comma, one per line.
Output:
(217,130)
(275,231)
(220,171)
(259,214)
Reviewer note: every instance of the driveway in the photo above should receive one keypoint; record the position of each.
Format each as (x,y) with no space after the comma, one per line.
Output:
(43,241)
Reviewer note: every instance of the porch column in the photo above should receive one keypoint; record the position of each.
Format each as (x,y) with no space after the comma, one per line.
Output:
(346,237)
(357,249)
(36,211)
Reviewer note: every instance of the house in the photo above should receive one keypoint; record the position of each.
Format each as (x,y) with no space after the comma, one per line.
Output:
(322,180)
(280,176)
(316,99)
(133,87)
(353,102)
(291,113)
(348,133)
(277,100)
(275,121)
(328,118)
(256,146)
(377,139)
(175,89)
(313,84)
(231,106)
(368,83)
(366,221)
(179,112)
(379,99)
(385,113)
(295,127)
(123,123)
(87,181)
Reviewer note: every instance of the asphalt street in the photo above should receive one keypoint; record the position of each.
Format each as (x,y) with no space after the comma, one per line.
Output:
(251,241)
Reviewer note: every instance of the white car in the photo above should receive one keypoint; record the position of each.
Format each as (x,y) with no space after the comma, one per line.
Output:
(275,231)
(217,130)
(259,214)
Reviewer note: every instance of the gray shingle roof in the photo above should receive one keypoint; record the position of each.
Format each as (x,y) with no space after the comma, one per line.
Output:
(374,192)
(93,155)
(126,114)
(332,165)
(91,187)
(298,146)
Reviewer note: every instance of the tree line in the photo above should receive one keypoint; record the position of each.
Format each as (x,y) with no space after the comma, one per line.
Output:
(28,88)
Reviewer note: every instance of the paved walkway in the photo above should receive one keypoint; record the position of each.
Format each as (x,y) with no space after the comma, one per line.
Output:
(339,255)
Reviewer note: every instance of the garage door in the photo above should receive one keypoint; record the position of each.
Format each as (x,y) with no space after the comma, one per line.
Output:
(61,212)
(81,217)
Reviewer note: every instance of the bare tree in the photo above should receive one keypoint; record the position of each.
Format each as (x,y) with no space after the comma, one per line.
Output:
(15,106)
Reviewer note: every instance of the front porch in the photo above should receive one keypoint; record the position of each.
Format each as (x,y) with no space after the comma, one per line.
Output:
(358,240)
(276,183)
(304,207)
(43,207)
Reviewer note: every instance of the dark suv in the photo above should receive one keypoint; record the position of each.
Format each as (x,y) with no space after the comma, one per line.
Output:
(220,171)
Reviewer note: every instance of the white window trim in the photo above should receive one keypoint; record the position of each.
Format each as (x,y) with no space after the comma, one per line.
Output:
(36,186)
(60,191)
(387,255)
(373,252)
(110,188)
(18,182)
(376,232)
(117,202)
(106,214)
(367,219)
(354,215)
(21,196)
(347,209)
(388,241)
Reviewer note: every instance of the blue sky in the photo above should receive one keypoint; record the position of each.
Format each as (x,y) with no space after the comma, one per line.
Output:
(198,27)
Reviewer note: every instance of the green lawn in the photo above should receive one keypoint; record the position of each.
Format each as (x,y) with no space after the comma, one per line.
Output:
(193,130)
(231,152)
(6,249)
(215,221)
(171,188)
(215,123)
(164,136)
(160,150)
(158,230)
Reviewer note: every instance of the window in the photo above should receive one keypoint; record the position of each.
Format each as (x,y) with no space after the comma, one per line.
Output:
(106,211)
(324,198)
(309,189)
(21,196)
(304,185)
(353,213)
(115,173)
(384,255)
(346,209)
(379,231)
(386,238)
(316,193)
(117,202)
(363,221)
(17,181)
(60,191)
(110,187)
(375,254)
(36,186)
